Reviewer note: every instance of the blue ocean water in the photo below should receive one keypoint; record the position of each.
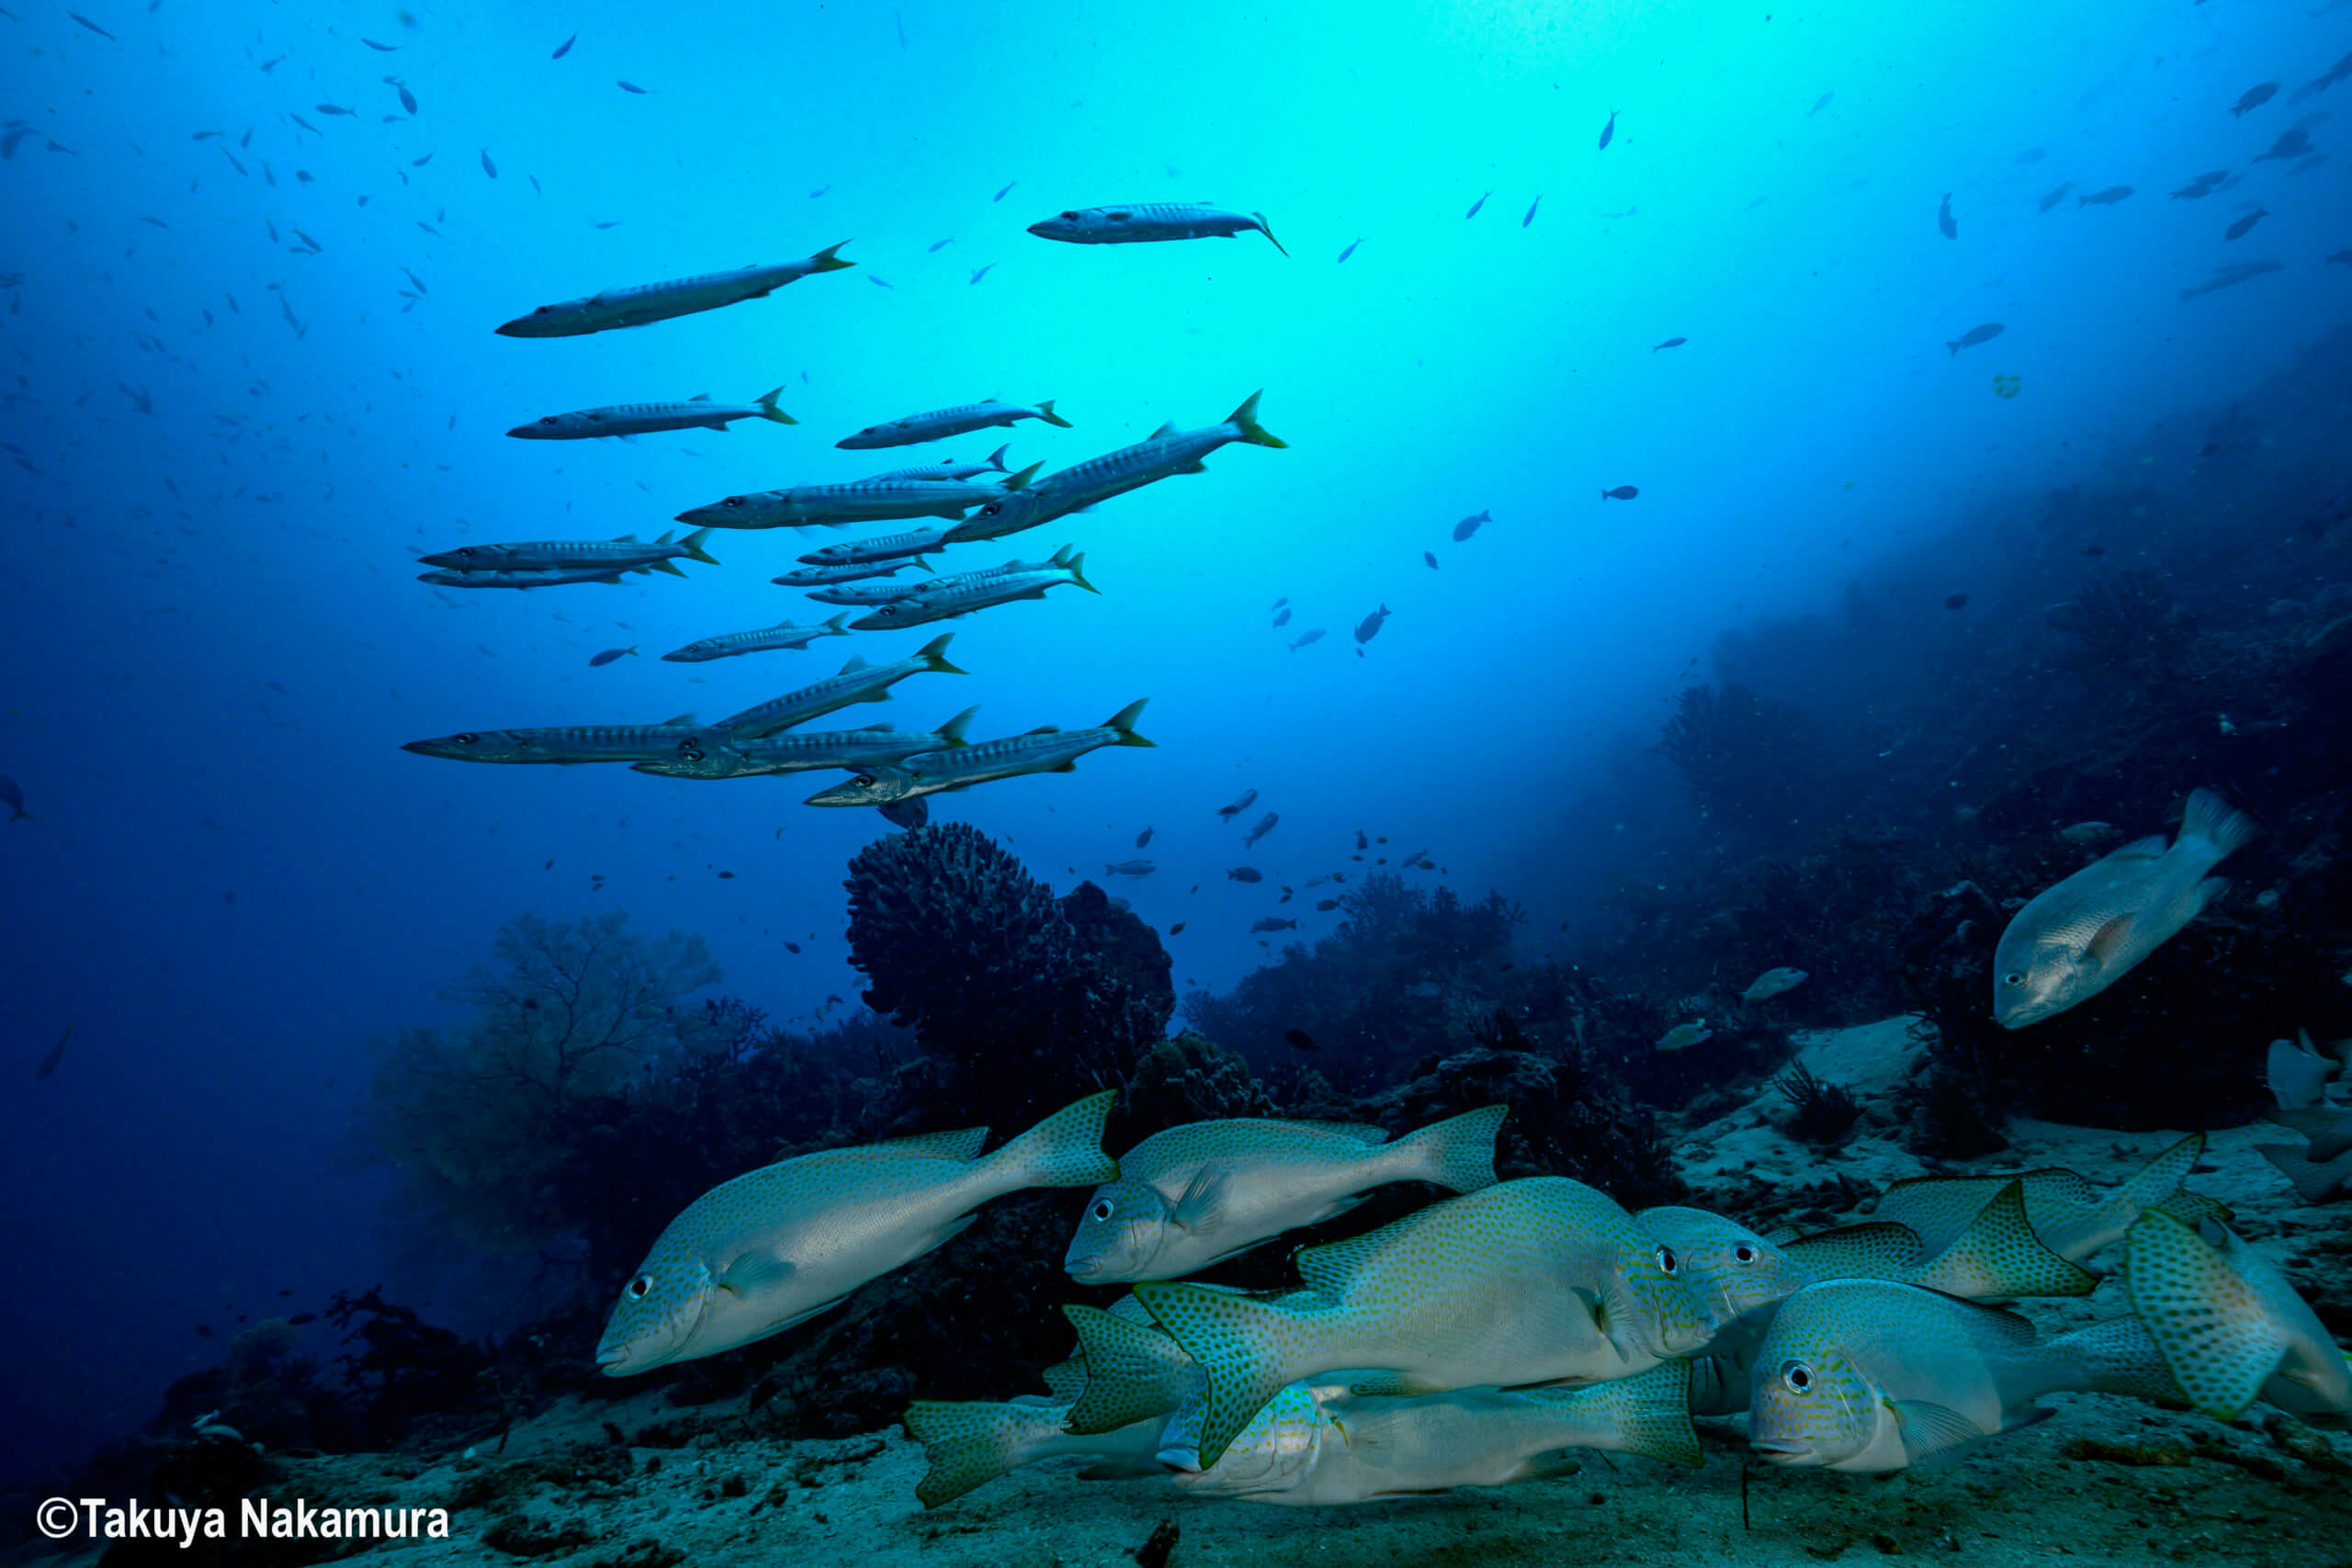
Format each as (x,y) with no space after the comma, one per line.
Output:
(250,375)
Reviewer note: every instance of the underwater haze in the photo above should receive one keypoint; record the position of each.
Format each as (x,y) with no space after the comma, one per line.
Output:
(252,272)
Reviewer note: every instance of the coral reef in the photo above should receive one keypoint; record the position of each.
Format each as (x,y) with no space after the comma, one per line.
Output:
(1025,1001)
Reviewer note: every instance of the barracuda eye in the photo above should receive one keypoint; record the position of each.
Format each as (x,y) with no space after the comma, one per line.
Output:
(862,781)
(1667,1260)
(543,309)
(549,419)
(690,751)
(992,509)
(639,1288)
(1798,1376)
(467,740)
(1745,1254)
(1103,1210)
(732,501)
(1069,217)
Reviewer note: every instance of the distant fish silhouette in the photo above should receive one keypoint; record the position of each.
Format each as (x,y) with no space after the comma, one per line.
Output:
(1670,342)
(1469,525)
(1475,204)
(56,1055)
(564,48)
(1530,212)
(1622,492)
(1609,131)
(1944,224)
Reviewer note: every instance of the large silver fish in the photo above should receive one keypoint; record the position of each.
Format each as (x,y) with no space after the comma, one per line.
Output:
(807,751)
(979,590)
(781,635)
(1042,750)
(1199,1194)
(755,1255)
(857,681)
(1868,1375)
(1543,1279)
(572,744)
(644,302)
(857,500)
(2072,940)
(623,554)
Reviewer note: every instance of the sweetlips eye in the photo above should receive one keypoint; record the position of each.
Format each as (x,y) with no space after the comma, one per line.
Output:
(1797,1375)
(1745,1253)
(1667,1260)
(640,1287)
(1103,1210)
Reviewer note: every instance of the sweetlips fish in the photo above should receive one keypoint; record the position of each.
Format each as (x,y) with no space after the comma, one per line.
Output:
(2074,940)
(971,1444)
(2228,1325)
(1314,1446)
(1772,982)
(1868,1375)
(1541,1280)
(2072,1217)
(755,1255)
(1195,1195)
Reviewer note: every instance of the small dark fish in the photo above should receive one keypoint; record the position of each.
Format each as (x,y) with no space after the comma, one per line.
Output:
(564,48)
(330,108)
(1975,335)
(880,281)
(1280,602)
(1326,906)
(1369,628)
(56,1055)
(1956,602)
(300,1318)
(1269,923)
(1265,826)
(1429,560)
(939,245)
(981,273)
(14,798)
(1475,204)
(420,162)
(2293,144)
(1950,229)
(1006,191)
(1530,212)
(819,191)
(2107,198)
(1283,618)
(1312,634)
(907,813)
(2194,192)
(1363,842)
(1143,838)
(791,946)
(381,48)
(1670,342)
(630,87)
(1176,929)
(2053,197)
(1245,873)
(1299,1039)
(1349,252)
(601,659)
(2239,229)
(1470,526)
(1622,492)
(1823,102)
(2254,98)
(304,124)
(1249,798)
(487,166)
(1608,130)
(93,26)
(2094,549)
(408,100)
(203,1330)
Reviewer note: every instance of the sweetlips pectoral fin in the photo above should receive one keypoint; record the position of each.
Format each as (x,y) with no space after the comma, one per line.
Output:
(755,1274)
(2110,940)
(2206,1322)
(1235,1341)
(1202,1202)
(1930,1429)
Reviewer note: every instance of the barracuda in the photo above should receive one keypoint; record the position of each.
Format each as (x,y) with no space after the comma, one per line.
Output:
(938,424)
(857,682)
(1141,221)
(637,304)
(848,572)
(1045,750)
(930,603)
(1165,452)
(624,554)
(889,546)
(859,501)
(783,635)
(806,753)
(572,743)
(648,418)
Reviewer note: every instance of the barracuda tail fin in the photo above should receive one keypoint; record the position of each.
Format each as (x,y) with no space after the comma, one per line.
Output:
(826,261)
(1124,721)
(1268,231)
(839,624)
(1046,411)
(1076,567)
(1246,416)
(1022,479)
(933,655)
(769,410)
(953,730)
(691,545)
(996,458)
